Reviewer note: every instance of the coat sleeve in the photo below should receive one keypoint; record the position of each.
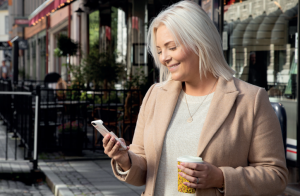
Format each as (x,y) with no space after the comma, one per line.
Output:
(137,174)
(267,173)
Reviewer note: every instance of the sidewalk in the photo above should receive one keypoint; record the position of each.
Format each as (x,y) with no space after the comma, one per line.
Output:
(16,187)
(75,178)
(85,178)
(69,178)
(95,178)
(65,178)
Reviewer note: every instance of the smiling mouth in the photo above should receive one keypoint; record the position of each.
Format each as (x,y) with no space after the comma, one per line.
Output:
(174,65)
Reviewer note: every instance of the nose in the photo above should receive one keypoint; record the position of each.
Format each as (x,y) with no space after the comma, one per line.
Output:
(165,57)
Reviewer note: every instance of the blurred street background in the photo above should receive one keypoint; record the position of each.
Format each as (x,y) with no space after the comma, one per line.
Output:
(65,63)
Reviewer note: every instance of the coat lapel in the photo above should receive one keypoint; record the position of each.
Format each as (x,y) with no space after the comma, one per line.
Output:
(221,104)
(165,104)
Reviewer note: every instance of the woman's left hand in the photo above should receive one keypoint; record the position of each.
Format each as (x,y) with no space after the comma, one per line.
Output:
(209,175)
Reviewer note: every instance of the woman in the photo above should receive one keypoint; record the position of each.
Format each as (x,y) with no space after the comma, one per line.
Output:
(199,109)
(61,87)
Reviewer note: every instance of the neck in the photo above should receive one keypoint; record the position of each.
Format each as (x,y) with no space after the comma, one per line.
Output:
(201,87)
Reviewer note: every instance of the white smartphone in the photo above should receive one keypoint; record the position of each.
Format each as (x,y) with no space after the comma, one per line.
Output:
(98,124)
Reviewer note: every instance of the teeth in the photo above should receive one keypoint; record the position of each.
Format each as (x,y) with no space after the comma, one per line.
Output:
(174,65)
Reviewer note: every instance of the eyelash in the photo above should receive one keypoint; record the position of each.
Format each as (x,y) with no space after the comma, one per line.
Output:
(170,49)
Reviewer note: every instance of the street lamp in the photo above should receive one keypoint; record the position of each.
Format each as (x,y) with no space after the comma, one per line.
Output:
(79,11)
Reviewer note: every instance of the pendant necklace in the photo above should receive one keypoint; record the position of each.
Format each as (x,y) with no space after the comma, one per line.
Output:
(189,120)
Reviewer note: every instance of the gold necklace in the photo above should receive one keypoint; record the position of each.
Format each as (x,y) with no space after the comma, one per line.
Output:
(189,120)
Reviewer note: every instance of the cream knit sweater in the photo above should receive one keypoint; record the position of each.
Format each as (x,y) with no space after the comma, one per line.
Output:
(182,138)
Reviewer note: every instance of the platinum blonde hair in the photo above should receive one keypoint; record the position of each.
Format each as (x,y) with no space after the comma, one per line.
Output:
(192,28)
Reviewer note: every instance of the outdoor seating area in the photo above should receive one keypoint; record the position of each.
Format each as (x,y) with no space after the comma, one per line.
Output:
(65,115)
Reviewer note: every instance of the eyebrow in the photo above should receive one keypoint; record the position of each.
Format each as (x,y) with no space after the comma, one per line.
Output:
(166,44)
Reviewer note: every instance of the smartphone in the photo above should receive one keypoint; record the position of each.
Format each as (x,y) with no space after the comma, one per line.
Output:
(98,124)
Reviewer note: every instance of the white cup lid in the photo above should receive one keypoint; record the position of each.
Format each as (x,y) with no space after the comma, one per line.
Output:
(190,159)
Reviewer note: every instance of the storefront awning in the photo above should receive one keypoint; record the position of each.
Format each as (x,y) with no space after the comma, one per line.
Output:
(45,9)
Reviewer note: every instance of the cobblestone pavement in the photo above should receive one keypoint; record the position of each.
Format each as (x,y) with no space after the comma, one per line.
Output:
(78,178)
(15,167)
(17,188)
(90,178)
(94,178)
(59,156)
(75,181)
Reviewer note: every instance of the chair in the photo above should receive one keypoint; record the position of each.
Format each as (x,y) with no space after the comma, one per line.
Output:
(281,115)
(133,102)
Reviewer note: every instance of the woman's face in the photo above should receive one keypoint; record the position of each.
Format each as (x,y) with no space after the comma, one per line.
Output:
(182,63)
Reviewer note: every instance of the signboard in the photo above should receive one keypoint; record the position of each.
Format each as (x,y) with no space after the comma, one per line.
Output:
(7,55)
(5,45)
(23,44)
(233,58)
(225,40)
(21,21)
(296,48)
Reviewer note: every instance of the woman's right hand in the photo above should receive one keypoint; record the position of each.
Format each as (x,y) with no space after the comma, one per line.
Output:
(111,148)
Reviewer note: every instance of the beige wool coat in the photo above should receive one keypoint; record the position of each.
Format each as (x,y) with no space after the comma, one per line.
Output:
(241,135)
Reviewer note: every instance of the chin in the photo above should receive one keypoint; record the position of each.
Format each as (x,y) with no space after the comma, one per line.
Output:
(177,78)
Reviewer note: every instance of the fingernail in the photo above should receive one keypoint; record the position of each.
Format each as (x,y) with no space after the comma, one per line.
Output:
(185,183)
(179,166)
(182,164)
(118,143)
(180,173)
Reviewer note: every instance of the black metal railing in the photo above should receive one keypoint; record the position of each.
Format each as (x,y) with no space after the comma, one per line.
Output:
(20,117)
(6,103)
(65,116)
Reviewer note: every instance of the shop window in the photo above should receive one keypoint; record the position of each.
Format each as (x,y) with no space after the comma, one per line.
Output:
(94,29)
(27,71)
(33,63)
(42,57)
(6,24)
(262,51)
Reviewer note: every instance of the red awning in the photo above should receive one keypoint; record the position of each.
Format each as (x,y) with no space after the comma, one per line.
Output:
(45,9)
(59,3)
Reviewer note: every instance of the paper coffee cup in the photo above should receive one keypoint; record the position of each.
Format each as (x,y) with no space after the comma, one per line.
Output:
(186,159)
